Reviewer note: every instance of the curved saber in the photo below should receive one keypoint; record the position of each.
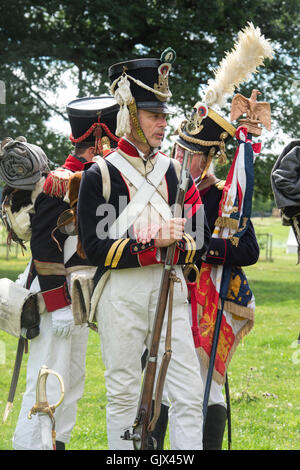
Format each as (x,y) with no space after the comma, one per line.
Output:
(44,410)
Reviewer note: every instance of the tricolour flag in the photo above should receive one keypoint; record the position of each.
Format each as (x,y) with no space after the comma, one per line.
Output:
(227,287)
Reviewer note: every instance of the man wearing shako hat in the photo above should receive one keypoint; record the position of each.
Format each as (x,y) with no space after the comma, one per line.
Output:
(61,344)
(205,135)
(129,249)
(227,205)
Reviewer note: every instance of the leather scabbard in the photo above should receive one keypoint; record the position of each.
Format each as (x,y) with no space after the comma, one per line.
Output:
(15,377)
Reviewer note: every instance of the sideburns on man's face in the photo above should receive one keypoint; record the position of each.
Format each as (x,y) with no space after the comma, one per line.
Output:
(153,126)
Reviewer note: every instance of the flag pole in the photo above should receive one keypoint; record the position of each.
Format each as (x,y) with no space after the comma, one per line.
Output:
(223,291)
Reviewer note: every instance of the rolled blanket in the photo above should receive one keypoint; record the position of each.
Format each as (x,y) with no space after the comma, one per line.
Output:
(285,176)
(21,163)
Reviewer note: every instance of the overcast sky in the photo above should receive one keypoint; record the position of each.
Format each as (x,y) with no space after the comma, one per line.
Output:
(68,93)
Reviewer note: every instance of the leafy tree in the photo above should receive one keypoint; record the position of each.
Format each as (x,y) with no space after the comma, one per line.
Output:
(40,40)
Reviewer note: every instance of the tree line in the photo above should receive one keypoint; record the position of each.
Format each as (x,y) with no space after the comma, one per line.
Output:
(40,41)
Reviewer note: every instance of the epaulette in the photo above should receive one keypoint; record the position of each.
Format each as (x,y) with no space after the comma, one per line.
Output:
(57,182)
(74,184)
(220,185)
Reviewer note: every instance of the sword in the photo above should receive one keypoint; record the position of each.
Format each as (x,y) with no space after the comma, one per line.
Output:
(44,410)
(14,381)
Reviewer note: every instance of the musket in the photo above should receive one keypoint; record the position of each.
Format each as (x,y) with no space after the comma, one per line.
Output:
(44,410)
(142,426)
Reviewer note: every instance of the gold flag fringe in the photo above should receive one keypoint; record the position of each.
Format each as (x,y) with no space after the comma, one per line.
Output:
(234,240)
(227,222)
(217,376)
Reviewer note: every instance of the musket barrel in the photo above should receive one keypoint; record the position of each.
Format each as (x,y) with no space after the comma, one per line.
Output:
(141,424)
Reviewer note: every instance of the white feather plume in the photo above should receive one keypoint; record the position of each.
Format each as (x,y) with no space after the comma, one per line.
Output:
(239,64)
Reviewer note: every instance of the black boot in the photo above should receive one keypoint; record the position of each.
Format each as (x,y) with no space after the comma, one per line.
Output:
(160,429)
(60,445)
(214,427)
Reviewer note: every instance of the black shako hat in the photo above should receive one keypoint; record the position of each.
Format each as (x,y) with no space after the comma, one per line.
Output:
(205,131)
(145,72)
(140,84)
(93,117)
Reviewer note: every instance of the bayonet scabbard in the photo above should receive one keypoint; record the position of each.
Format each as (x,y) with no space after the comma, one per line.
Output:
(15,378)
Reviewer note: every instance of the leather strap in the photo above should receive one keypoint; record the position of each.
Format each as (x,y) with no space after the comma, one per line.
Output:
(146,193)
(70,247)
(106,185)
(166,357)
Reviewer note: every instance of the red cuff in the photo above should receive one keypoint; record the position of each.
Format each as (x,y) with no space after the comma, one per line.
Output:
(217,251)
(148,257)
(56,298)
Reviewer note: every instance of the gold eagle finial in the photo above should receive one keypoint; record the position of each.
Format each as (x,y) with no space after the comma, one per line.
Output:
(257,112)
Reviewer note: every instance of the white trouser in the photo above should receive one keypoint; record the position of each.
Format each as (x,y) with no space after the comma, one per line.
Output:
(125,316)
(216,396)
(67,357)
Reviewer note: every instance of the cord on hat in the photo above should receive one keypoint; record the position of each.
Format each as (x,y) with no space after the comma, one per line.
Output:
(96,128)
(90,130)
(126,102)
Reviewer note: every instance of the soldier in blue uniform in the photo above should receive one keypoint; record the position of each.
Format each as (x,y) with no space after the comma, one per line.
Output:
(61,344)
(206,144)
(128,246)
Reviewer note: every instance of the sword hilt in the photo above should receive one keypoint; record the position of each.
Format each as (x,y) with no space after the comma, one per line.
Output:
(42,405)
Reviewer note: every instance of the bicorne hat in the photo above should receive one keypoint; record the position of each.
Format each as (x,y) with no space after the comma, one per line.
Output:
(93,119)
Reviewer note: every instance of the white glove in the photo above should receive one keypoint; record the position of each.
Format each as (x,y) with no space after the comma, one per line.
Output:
(62,322)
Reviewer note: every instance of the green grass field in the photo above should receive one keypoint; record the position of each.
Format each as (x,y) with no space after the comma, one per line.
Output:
(263,375)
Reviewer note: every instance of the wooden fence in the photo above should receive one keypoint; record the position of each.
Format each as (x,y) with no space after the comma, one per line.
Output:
(14,250)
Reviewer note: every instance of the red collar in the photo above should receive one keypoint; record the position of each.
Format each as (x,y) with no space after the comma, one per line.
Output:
(129,148)
(72,163)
